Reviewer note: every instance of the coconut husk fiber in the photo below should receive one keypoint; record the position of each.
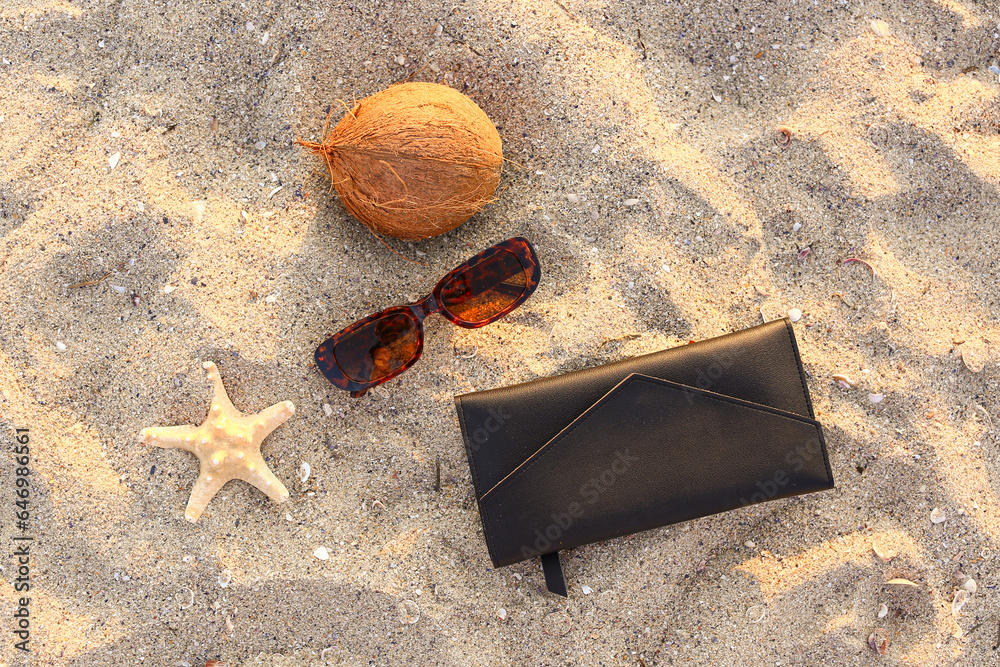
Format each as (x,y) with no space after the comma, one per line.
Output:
(413,161)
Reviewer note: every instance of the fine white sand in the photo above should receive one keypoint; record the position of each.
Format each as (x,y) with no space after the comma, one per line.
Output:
(894,158)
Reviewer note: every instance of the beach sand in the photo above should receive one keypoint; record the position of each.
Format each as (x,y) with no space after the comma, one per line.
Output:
(214,238)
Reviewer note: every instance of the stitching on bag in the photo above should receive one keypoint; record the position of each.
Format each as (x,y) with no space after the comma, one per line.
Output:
(798,364)
(721,398)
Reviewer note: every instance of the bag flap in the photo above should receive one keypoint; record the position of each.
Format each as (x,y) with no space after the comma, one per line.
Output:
(503,427)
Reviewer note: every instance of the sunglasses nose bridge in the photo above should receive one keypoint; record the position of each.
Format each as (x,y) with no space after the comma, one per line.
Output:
(422,309)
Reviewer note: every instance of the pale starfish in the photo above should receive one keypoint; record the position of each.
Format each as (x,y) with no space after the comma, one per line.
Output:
(228,446)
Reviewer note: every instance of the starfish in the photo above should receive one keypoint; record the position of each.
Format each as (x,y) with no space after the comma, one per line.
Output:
(228,446)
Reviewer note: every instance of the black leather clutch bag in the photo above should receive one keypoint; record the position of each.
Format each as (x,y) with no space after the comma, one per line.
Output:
(641,443)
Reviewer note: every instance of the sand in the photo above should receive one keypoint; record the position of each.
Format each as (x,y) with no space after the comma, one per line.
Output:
(214,238)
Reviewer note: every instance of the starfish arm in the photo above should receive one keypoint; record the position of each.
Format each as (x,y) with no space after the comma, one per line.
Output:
(221,398)
(258,474)
(204,490)
(171,437)
(267,420)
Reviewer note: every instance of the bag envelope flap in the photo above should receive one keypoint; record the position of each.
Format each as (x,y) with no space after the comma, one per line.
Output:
(649,453)
(503,427)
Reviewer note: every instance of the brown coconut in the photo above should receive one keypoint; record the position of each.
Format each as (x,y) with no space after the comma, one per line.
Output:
(413,161)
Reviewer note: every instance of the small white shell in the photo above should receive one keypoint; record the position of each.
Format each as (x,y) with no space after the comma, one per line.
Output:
(875,398)
(61,346)
(880,28)
(971,586)
(573,198)
(961,597)
(630,202)
(883,610)
(794,314)
(409,612)
(322,553)
(304,471)
(502,614)
(937,516)
(843,381)
(902,582)
(113,160)
(225,577)
(883,554)
(587,590)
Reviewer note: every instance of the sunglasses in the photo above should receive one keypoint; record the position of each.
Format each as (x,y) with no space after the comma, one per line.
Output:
(480,291)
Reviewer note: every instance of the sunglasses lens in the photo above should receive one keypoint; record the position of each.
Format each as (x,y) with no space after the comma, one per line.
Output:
(483,291)
(379,348)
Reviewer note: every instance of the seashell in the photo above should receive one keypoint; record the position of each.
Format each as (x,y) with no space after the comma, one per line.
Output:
(630,202)
(937,516)
(843,381)
(113,161)
(883,610)
(794,314)
(883,554)
(961,597)
(573,198)
(225,577)
(409,612)
(304,471)
(782,137)
(322,553)
(587,590)
(902,582)
(879,641)
(971,586)
(973,355)
(557,623)
(880,28)
(875,398)
(502,614)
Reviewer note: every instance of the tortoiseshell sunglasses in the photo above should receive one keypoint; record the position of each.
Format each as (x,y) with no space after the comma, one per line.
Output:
(480,291)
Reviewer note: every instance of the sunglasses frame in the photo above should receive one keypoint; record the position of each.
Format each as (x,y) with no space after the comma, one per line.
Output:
(519,246)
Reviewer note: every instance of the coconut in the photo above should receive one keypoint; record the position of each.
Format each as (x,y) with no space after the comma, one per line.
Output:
(413,161)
